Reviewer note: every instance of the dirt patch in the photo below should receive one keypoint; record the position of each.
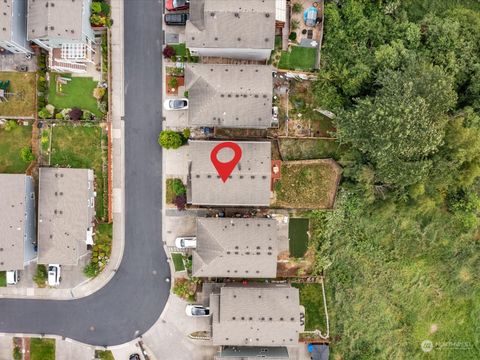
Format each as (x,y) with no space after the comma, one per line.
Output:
(173,90)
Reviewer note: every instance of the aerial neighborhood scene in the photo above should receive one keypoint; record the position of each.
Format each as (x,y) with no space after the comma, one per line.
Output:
(239,179)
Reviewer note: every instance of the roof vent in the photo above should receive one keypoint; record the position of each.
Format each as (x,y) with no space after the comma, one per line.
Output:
(52,28)
(212,14)
(46,4)
(52,4)
(267,15)
(239,39)
(237,15)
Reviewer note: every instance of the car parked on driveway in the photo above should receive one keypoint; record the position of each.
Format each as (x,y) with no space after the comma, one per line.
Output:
(54,274)
(197,310)
(176,5)
(176,104)
(176,19)
(134,357)
(13,277)
(186,242)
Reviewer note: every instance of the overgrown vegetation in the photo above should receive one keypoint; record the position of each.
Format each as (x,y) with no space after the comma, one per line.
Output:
(20,94)
(401,248)
(41,275)
(185,288)
(101,250)
(13,138)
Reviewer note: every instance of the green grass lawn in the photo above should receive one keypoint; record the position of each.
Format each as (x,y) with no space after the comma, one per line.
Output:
(312,299)
(178,261)
(180,49)
(80,147)
(3,278)
(42,349)
(10,144)
(297,233)
(77,93)
(170,195)
(23,102)
(104,355)
(299,58)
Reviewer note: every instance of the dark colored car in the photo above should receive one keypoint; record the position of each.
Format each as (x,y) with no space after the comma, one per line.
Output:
(176,19)
(134,357)
(176,5)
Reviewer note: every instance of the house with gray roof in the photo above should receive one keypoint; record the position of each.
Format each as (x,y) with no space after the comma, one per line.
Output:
(256,315)
(252,353)
(17,221)
(231,96)
(62,27)
(236,248)
(232,29)
(248,184)
(13,26)
(66,214)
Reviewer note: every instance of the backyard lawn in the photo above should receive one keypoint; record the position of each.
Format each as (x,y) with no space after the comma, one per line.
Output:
(298,236)
(81,147)
(22,103)
(312,299)
(3,278)
(299,58)
(42,349)
(305,149)
(10,144)
(307,184)
(77,93)
(178,261)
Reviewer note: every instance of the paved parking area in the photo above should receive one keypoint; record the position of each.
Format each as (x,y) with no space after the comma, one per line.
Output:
(176,163)
(176,226)
(9,62)
(68,350)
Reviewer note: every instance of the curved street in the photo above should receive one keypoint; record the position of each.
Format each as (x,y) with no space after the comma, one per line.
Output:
(133,300)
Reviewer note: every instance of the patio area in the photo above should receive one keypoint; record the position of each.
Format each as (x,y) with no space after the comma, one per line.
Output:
(307,21)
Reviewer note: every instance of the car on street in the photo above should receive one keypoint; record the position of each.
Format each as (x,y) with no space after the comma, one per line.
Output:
(197,310)
(176,5)
(186,242)
(54,274)
(176,104)
(176,19)
(13,277)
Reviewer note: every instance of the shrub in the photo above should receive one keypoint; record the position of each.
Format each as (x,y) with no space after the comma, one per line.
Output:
(91,270)
(96,7)
(59,116)
(99,92)
(45,138)
(186,134)
(50,108)
(44,113)
(294,24)
(105,8)
(17,353)
(102,106)
(168,52)
(26,154)
(297,8)
(40,276)
(185,94)
(87,115)
(169,139)
(292,36)
(173,82)
(75,114)
(10,125)
(180,202)
(178,187)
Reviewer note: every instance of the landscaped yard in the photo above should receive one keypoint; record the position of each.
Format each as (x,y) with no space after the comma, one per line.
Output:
(42,349)
(305,149)
(178,261)
(11,142)
(3,279)
(307,184)
(180,49)
(22,102)
(298,236)
(77,93)
(312,299)
(104,355)
(81,147)
(299,58)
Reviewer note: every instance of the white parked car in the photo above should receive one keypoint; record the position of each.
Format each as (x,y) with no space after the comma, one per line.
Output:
(197,310)
(176,104)
(54,271)
(186,242)
(13,277)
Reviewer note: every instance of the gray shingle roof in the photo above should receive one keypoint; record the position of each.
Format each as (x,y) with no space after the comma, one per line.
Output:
(256,315)
(65,213)
(244,248)
(12,221)
(55,19)
(249,184)
(236,96)
(231,24)
(6,13)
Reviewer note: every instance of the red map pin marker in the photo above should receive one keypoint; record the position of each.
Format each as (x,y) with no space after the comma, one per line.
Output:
(224,169)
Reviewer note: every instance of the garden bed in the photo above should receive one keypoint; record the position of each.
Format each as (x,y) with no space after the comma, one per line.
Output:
(3,278)
(22,103)
(170,89)
(11,142)
(308,184)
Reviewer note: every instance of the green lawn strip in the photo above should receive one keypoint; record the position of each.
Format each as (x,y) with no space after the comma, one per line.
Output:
(77,93)
(299,58)
(297,233)
(180,49)
(312,299)
(306,149)
(11,142)
(42,349)
(80,147)
(170,195)
(178,261)
(104,355)
(3,278)
(22,103)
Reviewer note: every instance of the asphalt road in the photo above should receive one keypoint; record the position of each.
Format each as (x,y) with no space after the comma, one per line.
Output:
(134,299)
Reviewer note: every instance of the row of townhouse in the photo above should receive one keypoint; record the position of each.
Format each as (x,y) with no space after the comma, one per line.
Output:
(65,224)
(61,27)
